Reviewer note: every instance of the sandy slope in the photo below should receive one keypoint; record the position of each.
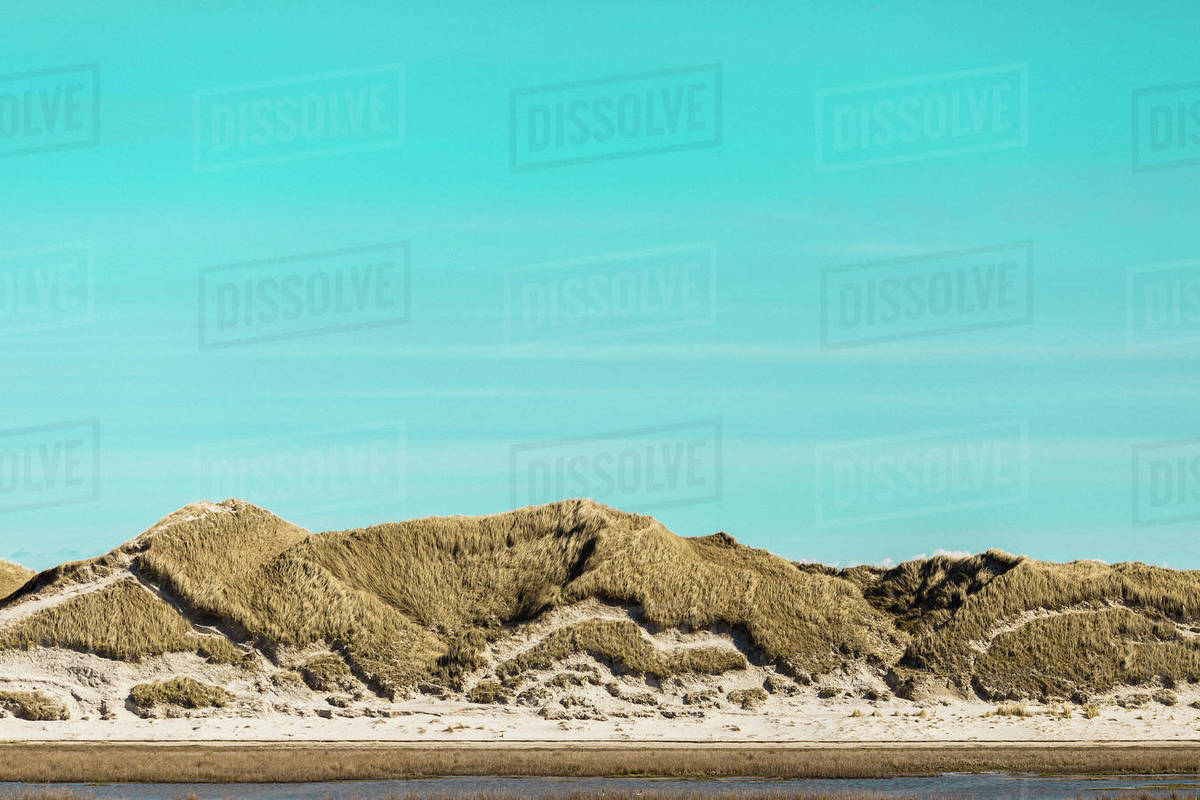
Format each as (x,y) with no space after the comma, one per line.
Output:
(91,685)
(811,722)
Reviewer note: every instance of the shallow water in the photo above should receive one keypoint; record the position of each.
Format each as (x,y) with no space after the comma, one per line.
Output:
(957,786)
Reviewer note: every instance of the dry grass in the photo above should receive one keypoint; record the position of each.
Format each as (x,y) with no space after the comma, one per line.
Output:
(623,645)
(949,604)
(1092,652)
(765,792)
(416,604)
(415,601)
(122,621)
(183,692)
(327,673)
(489,692)
(12,577)
(749,699)
(297,762)
(33,706)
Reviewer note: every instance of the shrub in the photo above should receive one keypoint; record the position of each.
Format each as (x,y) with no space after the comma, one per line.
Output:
(219,650)
(33,706)
(326,673)
(1011,710)
(183,692)
(489,692)
(748,699)
(777,684)
(287,678)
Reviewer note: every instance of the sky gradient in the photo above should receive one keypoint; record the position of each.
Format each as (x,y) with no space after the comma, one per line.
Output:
(853,282)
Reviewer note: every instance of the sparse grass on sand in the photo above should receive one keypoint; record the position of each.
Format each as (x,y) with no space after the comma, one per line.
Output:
(183,692)
(296,762)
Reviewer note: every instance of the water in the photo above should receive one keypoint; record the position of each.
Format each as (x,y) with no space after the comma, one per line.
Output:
(991,786)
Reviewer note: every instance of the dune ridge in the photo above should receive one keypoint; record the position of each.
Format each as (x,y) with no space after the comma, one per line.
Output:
(573,612)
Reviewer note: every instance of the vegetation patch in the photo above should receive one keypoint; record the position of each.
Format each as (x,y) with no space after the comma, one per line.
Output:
(288,679)
(33,706)
(621,642)
(12,577)
(122,621)
(1091,652)
(748,699)
(414,605)
(489,692)
(327,673)
(219,650)
(183,692)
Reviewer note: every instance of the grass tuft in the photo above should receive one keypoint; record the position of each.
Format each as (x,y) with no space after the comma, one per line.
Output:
(183,692)
(33,706)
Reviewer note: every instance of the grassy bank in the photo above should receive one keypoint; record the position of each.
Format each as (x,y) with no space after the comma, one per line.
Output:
(765,793)
(283,763)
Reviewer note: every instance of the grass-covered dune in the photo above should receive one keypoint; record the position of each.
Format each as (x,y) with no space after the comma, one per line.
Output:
(12,577)
(421,603)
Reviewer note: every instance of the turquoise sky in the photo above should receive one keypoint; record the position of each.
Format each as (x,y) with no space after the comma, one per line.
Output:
(661,302)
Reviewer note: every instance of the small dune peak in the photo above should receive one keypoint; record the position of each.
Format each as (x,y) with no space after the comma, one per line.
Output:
(12,577)
(201,510)
(720,539)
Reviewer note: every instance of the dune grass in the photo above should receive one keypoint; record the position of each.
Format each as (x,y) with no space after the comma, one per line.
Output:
(415,604)
(415,601)
(748,699)
(183,692)
(623,645)
(33,706)
(122,621)
(1089,653)
(951,606)
(12,577)
(326,673)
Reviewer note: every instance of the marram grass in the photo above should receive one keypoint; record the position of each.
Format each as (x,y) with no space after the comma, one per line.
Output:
(417,603)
